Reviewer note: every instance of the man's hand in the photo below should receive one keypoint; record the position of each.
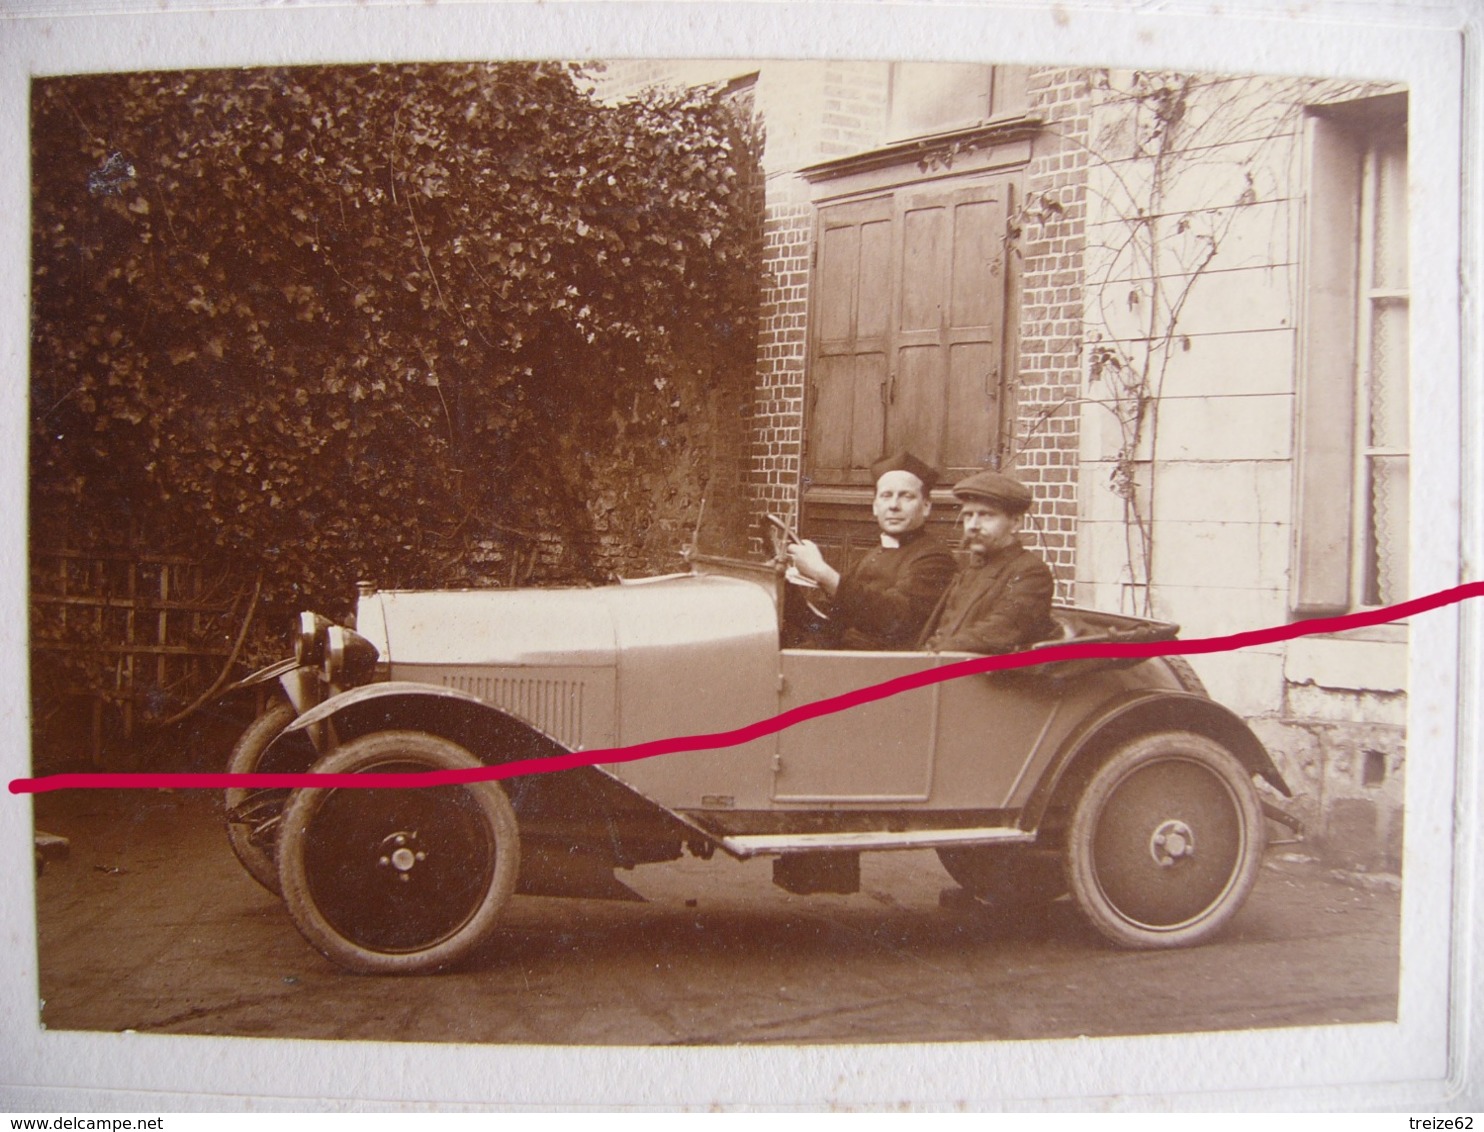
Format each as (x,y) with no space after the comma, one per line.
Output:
(806,558)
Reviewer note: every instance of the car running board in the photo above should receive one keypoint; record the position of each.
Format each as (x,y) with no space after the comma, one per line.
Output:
(747,845)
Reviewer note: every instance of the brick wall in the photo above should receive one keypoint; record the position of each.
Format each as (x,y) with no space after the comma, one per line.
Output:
(778,411)
(813,112)
(1044,445)
(855,101)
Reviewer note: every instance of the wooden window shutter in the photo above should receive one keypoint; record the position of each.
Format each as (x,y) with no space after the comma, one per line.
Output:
(1324,433)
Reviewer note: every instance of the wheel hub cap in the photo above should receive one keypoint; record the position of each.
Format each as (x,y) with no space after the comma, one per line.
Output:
(399,852)
(1172,841)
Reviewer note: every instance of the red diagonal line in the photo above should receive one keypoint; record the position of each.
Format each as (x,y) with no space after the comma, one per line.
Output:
(765,727)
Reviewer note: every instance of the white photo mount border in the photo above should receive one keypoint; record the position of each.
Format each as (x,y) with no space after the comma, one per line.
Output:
(1434,50)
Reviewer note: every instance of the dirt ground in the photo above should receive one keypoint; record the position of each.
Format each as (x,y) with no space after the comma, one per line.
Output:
(151,925)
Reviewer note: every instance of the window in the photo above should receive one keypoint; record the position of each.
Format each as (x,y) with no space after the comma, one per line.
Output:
(934,98)
(1382,413)
(1351,522)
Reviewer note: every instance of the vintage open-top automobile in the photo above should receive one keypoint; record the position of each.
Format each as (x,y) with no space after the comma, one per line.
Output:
(1115,779)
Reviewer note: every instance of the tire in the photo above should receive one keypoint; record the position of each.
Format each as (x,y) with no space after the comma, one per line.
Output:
(1006,877)
(1165,842)
(1184,673)
(252,814)
(397,881)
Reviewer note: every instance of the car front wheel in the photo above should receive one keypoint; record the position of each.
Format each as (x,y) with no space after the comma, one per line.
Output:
(1166,841)
(252,814)
(397,880)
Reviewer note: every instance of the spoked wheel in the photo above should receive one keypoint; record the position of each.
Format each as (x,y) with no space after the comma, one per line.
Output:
(1166,841)
(397,880)
(252,814)
(1010,877)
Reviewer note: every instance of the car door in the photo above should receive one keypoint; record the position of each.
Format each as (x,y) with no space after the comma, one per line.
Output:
(995,732)
(973,742)
(876,752)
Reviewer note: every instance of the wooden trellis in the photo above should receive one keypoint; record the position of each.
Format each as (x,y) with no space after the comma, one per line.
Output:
(138,633)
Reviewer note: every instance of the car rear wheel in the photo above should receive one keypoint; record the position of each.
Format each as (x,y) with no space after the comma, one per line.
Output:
(1011,877)
(252,814)
(398,880)
(1166,841)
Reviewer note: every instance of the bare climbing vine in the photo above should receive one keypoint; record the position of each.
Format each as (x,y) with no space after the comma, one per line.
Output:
(1170,177)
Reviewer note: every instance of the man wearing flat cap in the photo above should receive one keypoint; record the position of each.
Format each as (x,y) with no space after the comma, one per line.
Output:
(1002,600)
(884,600)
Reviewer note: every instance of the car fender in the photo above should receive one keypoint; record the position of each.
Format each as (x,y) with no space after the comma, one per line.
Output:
(300,683)
(1140,713)
(582,809)
(273,671)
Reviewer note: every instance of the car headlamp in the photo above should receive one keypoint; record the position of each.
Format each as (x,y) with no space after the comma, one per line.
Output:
(349,658)
(309,640)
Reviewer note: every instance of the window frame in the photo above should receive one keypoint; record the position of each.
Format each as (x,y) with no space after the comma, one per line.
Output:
(1331,543)
(1003,96)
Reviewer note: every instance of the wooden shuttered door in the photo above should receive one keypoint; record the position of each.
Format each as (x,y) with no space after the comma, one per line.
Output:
(851,337)
(908,331)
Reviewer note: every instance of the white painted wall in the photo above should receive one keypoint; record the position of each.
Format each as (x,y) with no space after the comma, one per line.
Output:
(1221,462)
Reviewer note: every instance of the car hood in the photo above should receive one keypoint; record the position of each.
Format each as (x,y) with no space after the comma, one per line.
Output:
(546,627)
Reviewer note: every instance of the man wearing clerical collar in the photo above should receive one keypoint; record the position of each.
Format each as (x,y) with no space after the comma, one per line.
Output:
(885,599)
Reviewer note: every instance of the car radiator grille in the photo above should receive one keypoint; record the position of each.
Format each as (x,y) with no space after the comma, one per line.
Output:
(553,706)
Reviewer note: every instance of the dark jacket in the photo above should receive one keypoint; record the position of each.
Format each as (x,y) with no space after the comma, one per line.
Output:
(1001,606)
(885,599)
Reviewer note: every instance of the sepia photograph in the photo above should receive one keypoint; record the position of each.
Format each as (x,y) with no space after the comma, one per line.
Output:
(900,559)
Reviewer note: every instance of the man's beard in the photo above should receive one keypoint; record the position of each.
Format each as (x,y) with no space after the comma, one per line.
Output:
(979,548)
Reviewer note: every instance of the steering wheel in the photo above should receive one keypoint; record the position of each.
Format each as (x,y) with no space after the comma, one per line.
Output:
(808,587)
(782,527)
